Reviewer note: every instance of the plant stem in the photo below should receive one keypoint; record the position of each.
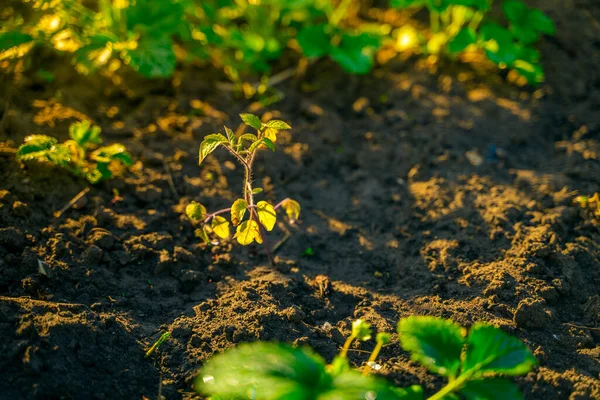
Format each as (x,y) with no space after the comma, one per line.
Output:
(477,18)
(344,351)
(372,358)
(434,20)
(263,234)
(212,215)
(452,386)
(339,12)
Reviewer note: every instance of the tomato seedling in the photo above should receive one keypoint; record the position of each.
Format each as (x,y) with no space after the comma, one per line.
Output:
(475,363)
(80,155)
(261,215)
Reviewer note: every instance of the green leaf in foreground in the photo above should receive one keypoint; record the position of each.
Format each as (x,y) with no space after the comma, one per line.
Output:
(491,389)
(277,124)
(238,209)
(265,371)
(489,349)
(35,146)
(314,41)
(8,40)
(462,40)
(434,342)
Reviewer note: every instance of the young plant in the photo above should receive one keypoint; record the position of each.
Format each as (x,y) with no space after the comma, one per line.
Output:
(589,203)
(261,215)
(80,155)
(473,363)
(461,25)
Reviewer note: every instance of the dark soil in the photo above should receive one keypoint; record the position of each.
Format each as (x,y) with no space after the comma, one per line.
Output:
(401,218)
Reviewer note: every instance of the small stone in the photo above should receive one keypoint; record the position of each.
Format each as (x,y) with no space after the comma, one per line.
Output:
(92,256)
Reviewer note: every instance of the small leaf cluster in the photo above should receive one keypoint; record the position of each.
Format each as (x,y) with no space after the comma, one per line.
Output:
(590,203)
(81,154)
(247,216)
(461,25)
(475,363)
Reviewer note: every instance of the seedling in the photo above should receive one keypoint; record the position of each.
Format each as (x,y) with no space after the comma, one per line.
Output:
(475,364)
(80,155)
(163,338)
(461,25)
(261,215)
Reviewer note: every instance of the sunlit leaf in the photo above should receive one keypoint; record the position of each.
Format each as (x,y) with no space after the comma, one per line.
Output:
(249,137)
(292,209)
(361,330)
(195,211)
(356,53)
(114,152)
(220,226)
(230,135)
(35,147)
(209,144)
(247,232)
(257,190)
(266,215)
(264,141)
(489,349)
(434,342)
(238,209)
(251,120)
(277,124)
(84,133)
(201,233)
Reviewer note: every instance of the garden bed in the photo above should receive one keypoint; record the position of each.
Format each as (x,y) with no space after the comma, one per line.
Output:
(424,191)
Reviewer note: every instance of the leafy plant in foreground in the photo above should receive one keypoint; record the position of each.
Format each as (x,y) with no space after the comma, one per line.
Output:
(261,215)
(459,25)
(80,155)
(474,364)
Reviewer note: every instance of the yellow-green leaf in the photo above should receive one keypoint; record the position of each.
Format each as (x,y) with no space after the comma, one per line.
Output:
(271,134)
(251,120)
(247,232)
(209,144)
(201,233)
(266,215)
(220,226)
(195,211)
(238,209)
(277,124)
(292,209)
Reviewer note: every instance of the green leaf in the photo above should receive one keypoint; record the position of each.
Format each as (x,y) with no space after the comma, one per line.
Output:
(541,22)
(533,72)
(338,366)
(264,141)
(238,209)
(251,120)
(249,137)
(361,330)
(257,190)
(201,233)
(434,342)
(266,371)
(356,53)
(489,349)
(230,135)
(514,10)
(8,40)
(491,389)
(35,147)
(114,152)
(195,211)
(351,384)
(292,209)
(266,215)
(383,337)
(152,58)
(84,133)
(277,124)
(525,34)
(209,144)
(247,232)
(462,40)
(314,41)
(220,226)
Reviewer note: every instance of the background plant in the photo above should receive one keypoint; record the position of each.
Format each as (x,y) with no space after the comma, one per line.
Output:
(462,25)
(81,155)
(475,364)
(261,215)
